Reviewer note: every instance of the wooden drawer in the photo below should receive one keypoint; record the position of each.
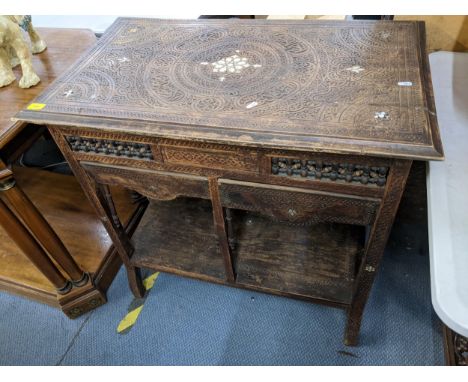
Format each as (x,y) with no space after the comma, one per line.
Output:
(162,154)
(297,205)
(159,185)
(211,157)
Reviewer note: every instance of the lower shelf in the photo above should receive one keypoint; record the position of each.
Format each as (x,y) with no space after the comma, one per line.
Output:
(316,261)
(179,237)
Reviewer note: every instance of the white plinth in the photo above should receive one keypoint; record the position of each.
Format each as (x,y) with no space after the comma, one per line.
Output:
(447,185)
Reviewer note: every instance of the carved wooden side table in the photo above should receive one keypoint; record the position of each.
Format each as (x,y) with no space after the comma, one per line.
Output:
(275,153)
(46,270)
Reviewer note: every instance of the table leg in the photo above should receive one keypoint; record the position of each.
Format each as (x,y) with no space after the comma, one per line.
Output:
(218,218)
(133,273)
(230,229)
(40,228)
(375,247)
(32,249)
(98,196)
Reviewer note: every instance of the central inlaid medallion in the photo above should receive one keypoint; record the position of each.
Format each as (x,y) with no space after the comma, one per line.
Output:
(231,64)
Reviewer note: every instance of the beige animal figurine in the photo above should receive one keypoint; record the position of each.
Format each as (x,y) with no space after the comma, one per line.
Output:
(14,50)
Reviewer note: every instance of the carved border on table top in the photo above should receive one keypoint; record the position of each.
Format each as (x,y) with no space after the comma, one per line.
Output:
(354,37)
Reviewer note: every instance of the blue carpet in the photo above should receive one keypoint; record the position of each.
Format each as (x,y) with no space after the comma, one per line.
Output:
(33,333)
(189,322)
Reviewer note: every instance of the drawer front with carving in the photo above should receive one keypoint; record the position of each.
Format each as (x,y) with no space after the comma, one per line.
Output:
(161,154)
(153,184)
(230,160)
(297,205)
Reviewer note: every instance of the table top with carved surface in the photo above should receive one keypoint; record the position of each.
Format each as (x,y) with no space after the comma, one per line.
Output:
(352,87)
(58,57)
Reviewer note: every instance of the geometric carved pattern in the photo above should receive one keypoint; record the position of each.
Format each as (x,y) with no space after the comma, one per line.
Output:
(298,83)
(110,147)
(317,169)
(214,159)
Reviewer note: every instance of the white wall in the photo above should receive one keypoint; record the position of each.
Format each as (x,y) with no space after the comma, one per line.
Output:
(98,24)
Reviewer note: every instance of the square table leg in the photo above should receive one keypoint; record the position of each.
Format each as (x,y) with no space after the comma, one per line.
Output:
(375,247)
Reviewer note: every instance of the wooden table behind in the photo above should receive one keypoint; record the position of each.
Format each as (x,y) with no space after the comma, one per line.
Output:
(64,47)
(58,198)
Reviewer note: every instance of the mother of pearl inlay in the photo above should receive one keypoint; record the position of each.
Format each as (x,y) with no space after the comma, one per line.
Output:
(231,64)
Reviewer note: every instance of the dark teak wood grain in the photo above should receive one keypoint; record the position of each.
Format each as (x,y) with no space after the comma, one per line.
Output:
(267,148)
